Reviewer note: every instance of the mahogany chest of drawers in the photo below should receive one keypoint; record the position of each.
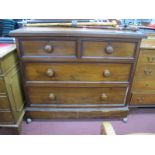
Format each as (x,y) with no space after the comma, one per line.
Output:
(11,100)
(77,72)
(143,89)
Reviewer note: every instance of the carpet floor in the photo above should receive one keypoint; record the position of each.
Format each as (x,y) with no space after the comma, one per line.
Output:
(139,120)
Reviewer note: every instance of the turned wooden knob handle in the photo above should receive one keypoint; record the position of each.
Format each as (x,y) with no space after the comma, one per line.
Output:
(140,99)
(50,72)
(147,71)
(48,48)
(52,96)
(109,49)
(106,73)
(104,97)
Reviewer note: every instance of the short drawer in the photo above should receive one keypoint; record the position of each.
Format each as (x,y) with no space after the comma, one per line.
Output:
(77,72)
(6,117)
(143,85)
(143,98)
(49,48)
(145,72)
(2,85)
(107,49)
(76,95)
(147,56)
(4,102)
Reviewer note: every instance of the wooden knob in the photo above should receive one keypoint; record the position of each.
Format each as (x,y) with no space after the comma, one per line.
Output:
(106,73)
(104,97)
(48,48)
(147,71)
(140,99)
(109,49)
(50,72)
(52,96)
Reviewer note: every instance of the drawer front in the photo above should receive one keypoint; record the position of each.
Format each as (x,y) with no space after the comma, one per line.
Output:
(2,85)
(49,48)
(77,72)
(143,98)
(108,49)
(143,85)
(64,113)
(147,56)
(4,103)
(6,117)
(145,72)
(76,95)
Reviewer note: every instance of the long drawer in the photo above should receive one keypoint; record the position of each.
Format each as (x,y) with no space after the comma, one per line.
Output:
(147,56)
(77,72)
(143,85)
(108,49)
(76,95)
(145,72)
(49,47)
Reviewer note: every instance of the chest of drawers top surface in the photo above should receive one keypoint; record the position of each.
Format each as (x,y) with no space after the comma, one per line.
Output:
(57,31)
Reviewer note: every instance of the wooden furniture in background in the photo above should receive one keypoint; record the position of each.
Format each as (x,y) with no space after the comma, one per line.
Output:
(11,100)
(77,72)
(143,89)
